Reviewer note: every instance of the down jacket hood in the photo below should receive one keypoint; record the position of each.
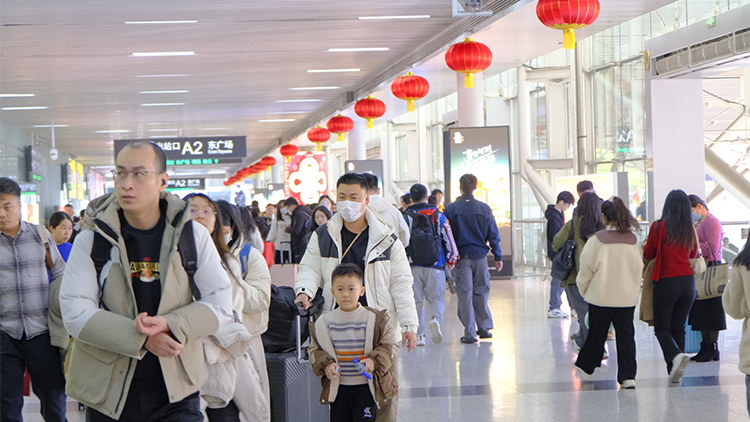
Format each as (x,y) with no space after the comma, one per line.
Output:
(551,212)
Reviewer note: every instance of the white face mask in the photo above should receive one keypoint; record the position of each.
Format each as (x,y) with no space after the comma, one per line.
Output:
(227,238)
(350,211)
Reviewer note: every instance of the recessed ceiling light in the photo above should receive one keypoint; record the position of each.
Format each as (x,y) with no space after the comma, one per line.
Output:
(332,70)
(161,104)
(313,88)
(24,108)
(15,95)
(394,17)
(161,136)
(156,22)
(217,172)
(298,101)
(216,128)
(179,91)
(163,130)
(113,131)
(174,75)
(348,50)
(164,54)
(50,126)
(276,120)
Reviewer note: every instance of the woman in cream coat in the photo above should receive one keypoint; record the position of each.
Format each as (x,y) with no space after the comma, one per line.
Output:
(736,301)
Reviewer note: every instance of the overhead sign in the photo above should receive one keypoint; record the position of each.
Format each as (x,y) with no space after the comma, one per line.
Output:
(197,151)
(195,183)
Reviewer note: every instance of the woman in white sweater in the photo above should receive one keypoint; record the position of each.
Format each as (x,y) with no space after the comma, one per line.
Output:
(736,301)
(609,279)
(282,241)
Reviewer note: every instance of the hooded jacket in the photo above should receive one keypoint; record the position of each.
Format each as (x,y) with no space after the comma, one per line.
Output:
(555,221)
(388,278)
(298,230)
(107,346)
(391,216)
(736,300)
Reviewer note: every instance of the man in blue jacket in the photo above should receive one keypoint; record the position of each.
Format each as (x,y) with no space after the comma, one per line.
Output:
(473,228)
(555,215)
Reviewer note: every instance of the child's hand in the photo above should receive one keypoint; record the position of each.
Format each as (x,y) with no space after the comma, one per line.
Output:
(369,365)
(332,371)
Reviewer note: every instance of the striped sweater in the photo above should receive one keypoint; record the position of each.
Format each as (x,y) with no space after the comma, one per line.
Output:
(348,331)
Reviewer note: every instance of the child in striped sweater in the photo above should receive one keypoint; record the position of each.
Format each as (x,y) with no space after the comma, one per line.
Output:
(355,391)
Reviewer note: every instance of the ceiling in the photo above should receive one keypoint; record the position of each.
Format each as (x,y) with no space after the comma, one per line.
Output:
(76,58)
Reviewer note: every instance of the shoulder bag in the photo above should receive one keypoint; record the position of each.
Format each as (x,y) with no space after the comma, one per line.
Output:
(562,265)
(713,280)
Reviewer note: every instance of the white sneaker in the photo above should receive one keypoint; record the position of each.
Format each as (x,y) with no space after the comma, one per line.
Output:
(628,385)
(678,367)
(437,335)
(583,375)
(611,334)
(556,313)
(421,340)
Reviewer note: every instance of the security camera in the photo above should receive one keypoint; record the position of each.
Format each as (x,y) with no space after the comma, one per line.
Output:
(53,154)
(473,4)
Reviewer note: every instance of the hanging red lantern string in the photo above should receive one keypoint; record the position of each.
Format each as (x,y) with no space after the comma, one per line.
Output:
(370,108)
(468,57)
(268,162)
(319,135)
(340,125)
(288,151)
(568,16)
(410,88)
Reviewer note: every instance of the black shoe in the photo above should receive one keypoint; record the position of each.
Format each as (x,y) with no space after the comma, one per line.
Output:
(483,334)
(701,353)
(468,340)
(711,353)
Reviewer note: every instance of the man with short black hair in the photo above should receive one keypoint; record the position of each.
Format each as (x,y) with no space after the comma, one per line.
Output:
(474,227)
(298,228)
(385,211)
(440,196)
(405,201)
(69,210)
(28,254)
(432,251)
(138,329)
(584,186)
(555,215)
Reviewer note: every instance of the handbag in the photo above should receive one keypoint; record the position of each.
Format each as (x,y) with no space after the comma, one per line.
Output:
(713,280)
(562,265)
(698,264)
(646,313)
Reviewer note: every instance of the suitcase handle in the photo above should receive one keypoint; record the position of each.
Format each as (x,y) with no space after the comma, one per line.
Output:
(298,334)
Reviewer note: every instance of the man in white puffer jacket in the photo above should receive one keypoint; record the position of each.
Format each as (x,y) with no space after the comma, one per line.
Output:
(355,235)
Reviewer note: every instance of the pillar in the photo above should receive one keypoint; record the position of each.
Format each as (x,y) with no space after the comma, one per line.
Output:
(470,101)
(277,171)
(358,141)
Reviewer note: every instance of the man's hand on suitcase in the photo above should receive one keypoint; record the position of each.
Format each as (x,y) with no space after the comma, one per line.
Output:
(304,300)
(409,340)
(332,370)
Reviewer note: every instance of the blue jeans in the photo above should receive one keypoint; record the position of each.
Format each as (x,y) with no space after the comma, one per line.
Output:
(44,363)
(747,385)
(578,303)
(555,295)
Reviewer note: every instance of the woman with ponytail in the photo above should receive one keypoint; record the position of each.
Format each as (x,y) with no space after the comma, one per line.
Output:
(609,279)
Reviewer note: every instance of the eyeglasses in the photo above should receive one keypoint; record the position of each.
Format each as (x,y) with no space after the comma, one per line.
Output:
(139,176)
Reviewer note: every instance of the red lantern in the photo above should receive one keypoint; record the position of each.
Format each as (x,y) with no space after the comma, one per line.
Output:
(319,135)
(340,125)
(468,57)
(369,109)
(289,151)
(268,162)
(568,16)
(410,88)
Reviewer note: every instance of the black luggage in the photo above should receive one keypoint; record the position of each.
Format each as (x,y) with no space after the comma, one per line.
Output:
(283,319)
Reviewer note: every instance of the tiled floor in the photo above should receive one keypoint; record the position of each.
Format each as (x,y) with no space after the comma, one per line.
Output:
(526,373)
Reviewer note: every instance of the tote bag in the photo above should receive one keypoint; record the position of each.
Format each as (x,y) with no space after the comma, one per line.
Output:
(563,263)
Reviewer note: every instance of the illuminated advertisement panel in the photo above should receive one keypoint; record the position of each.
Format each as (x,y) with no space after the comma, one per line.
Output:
(306,177)
(483,152)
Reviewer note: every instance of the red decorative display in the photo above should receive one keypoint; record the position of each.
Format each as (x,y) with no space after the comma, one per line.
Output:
(288,151)
(306,178)
(340,125)
(568,16)
(410,88)
(468,57)
(370,108)
(319,135)
(268,162)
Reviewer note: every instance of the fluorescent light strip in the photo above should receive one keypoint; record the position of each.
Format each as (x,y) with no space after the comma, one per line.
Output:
(161,104)
(15,95)
(164,54)
(332,70)
(163,130)
(176,75)
(161,136)
(216,128)
(298,101)
(276,120)
(364,18)
(217,172)
(313,88)
(23,108)
(50,126)
(156,22)
(180,91)
(349,50)
(288,112)
(113,131)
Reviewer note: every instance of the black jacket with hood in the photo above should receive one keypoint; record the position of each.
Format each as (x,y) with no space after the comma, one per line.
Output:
(555,221)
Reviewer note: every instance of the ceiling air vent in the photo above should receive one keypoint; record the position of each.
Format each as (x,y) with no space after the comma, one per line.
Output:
(672,62)
(742,41)
(711,50)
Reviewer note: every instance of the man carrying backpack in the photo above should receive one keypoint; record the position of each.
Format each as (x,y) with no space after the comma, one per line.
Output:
(431,249)
(143,287)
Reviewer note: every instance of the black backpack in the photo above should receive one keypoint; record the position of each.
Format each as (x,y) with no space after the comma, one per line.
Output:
(426,244)
(281,336)
(563,263)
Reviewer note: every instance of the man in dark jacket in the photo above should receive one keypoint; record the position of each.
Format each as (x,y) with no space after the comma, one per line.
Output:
(555,215)
(474,227)
(298,228)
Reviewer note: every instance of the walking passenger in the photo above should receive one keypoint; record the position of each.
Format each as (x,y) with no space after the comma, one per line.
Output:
(27,328)
(298,228)
(432,250)
(609,279)
(555,216)
(474,227)
(282,241)
(672,242)
(61,228)
(736,300)
(138,353)
(707,316)
(388,213)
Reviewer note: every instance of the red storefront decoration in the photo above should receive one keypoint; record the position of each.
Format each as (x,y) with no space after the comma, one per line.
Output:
(268,162)
(319,135)
(340,125)
(410,88)
(568,16)
(370,108)
(468,57)
(306,178)
(288,151)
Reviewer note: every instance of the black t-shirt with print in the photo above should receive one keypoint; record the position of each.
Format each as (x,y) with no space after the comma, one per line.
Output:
(357,253)
(143,253)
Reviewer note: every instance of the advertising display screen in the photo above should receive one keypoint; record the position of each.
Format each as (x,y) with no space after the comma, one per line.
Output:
(75,180)
(485,153)
(197,151)
(306,177)
(96,185)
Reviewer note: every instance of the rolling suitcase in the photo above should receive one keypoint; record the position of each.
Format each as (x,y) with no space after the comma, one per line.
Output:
(295,390)
(284,274)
